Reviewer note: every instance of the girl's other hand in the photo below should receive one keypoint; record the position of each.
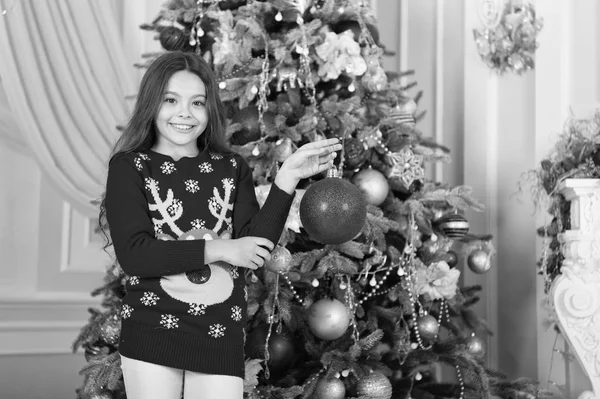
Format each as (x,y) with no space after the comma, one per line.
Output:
(307,161)
(249,252)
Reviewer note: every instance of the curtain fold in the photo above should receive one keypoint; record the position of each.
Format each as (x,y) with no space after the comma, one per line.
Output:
(65,74)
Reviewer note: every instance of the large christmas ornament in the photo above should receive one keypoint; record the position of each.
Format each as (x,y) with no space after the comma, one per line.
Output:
(172,38)
(453,225)
(428,327)
(374,386)
(110,330)
(281,260)
(333,210)
(329,388)
(373,184)
(479,261)
(475,346)
(328,319)
(282,351)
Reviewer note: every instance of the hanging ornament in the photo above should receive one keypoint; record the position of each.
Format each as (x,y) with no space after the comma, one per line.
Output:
(401,114)
(475,346)
(110,330)
(282,350)
(329,388)
(281,260)
(407,167)
(250,126)
(92,351)
(451,258)
(333,210)
(374,386)
(172,38)
(453,225)
(328,319)
(373,185)
(355,153)
(479,261)
(428,327)
(283,149)
(508,39)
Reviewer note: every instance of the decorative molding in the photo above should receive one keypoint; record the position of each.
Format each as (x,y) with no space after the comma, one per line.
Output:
(575,293)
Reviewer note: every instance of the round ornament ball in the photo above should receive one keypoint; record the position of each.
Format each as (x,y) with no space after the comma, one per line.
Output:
(454,225)
(428,327)
(281,260)
(333,210)
(356,153)
(375,386)
(283,149)
(329,388)
(282,350)
(172,38)
(111,330)
(451,258)
(475,346)
(328,319)
(373,184)
(250,126)
(479,261)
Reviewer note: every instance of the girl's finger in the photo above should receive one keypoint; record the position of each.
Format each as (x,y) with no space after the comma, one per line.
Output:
(322,143)
(263,253)
(320,151)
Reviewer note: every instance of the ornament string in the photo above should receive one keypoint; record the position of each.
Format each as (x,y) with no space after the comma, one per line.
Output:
(275,305)
(263,90)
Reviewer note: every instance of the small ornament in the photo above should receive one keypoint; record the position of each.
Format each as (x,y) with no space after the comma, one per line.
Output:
(451,258)
(428,327)
(333,210)
(475,346)
(374,386)
(92,351)
(315,283)
(402,114)
(453,225)
(222,85)
(329,388)
(282,150)
(418,376)
(282,349)
(479,261)
(373,185)
(172,38)
(355,153)
(281,260)
(250,126)
(407,167)
(328,319)
(110,330)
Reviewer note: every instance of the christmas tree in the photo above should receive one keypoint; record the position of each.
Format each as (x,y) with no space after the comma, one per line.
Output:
(361,299)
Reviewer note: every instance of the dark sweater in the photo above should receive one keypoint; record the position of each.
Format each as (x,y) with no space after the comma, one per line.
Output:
(179,312)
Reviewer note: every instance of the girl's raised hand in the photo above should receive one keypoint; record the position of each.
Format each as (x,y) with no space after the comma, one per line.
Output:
(307,161)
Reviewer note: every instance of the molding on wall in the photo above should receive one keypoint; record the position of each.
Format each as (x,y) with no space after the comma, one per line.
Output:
(38,338)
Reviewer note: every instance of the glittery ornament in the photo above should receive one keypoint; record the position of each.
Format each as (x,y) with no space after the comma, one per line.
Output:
(453,225)
(281,260)
(328,319)
(373,185)
(475,346)
(330,388)
(374,386)
(110,330)
(282,350)
(333,210)
(91,352)
(428,327)
(479,261)
(172,38)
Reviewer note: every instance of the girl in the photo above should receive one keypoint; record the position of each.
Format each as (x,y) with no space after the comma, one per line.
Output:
(183,218)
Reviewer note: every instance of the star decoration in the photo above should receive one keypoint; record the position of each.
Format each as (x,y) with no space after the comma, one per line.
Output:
(407,166)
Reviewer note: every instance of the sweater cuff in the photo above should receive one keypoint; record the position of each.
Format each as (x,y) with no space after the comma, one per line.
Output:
(185,256)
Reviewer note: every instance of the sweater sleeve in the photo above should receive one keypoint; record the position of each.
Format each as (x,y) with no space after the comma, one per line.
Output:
(251,220)
(132,232)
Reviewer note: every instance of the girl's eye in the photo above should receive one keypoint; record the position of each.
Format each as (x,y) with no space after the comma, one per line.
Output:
(198,103)
(170,100)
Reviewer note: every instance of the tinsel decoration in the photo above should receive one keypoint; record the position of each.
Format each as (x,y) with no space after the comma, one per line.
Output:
(508,40)
(374,386)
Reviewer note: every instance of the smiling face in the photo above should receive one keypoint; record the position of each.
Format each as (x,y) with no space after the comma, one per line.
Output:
(182,116)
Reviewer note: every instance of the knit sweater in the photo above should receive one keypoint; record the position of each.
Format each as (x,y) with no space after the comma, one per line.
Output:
(178,311)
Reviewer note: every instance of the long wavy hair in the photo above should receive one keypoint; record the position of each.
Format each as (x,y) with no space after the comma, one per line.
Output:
(140,133)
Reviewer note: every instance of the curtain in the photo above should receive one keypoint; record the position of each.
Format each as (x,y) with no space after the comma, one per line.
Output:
(63,69)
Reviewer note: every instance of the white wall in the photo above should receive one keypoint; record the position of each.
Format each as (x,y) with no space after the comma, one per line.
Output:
(496,128)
